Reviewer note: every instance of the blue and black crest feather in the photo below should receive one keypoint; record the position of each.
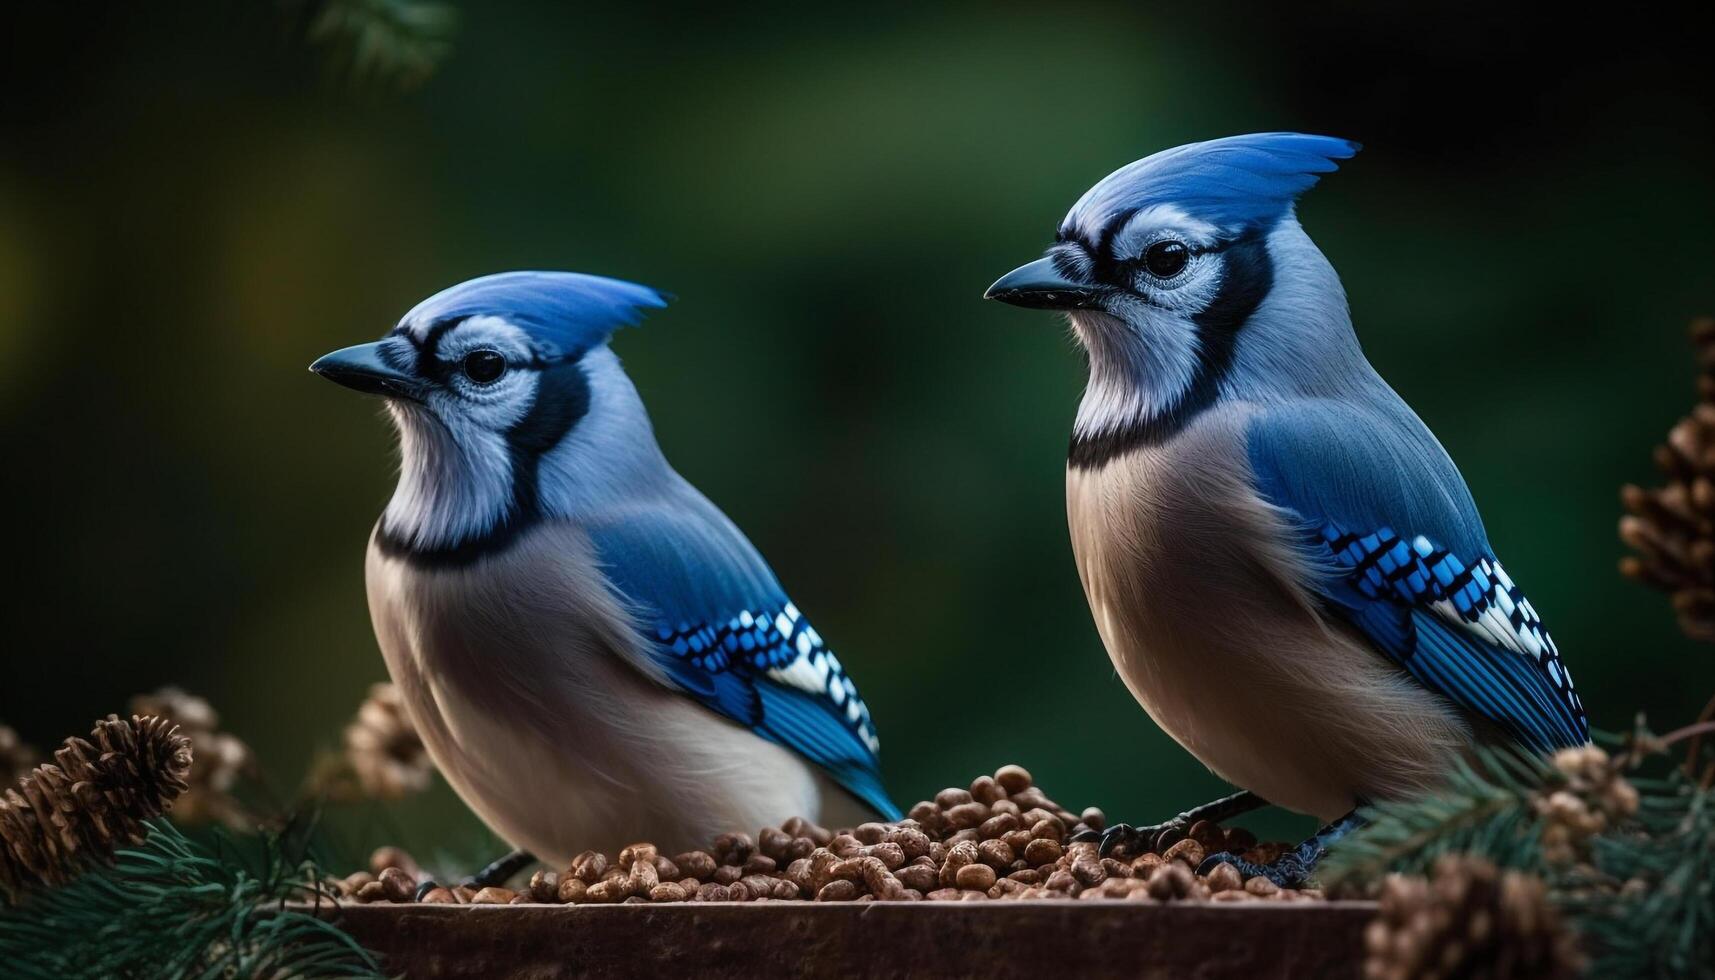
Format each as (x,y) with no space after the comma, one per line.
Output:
(566,312)
(1232,182)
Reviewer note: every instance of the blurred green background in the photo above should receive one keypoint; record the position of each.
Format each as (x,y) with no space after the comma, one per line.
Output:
(195,202)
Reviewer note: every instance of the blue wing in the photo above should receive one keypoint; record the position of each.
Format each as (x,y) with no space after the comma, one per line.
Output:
(1386,511)
(725,633)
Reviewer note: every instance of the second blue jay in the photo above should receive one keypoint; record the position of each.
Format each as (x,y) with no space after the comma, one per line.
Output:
(592,652)
(1284,564)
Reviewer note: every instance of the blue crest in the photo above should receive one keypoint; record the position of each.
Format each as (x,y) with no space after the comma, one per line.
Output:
(569,312)
(1231,182)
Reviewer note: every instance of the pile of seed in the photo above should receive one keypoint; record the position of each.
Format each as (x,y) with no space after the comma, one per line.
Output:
(1001,838)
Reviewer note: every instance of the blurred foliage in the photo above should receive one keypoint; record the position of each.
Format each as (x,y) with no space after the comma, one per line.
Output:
(191,210)
(396,41)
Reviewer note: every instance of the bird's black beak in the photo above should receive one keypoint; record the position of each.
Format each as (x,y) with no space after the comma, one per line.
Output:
(1039,286)
(362,368)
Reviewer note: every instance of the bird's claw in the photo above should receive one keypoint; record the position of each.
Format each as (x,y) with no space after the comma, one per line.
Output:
(424,887)
(1288,871)
(1133,840)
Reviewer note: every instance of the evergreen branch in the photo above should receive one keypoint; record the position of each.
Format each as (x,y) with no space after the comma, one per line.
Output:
(174,907)
(401,42)
(1485,810)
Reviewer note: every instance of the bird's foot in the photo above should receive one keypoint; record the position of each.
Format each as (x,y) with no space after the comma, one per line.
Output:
(1123,838)
(495,874)
(1290,870)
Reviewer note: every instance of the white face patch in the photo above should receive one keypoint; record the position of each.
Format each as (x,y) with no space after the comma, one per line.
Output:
(1144,346)
(455,479)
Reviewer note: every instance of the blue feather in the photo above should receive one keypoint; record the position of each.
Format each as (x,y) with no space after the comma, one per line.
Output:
(1232,182)
(724,632)
(565,312)
(1384,510)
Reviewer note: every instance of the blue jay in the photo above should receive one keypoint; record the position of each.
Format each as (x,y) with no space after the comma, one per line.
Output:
(593,653)
(1284,565)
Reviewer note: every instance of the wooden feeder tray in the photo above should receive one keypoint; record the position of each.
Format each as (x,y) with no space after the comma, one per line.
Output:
(994,940)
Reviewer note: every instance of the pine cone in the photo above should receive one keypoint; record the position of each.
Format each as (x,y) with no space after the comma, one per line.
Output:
(1672,527)
(1594,797)
(17,757)
(383,749)
(92,799)
(1469,920)
(218,758)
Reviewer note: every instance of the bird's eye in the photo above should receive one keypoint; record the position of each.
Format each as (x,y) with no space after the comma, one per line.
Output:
(484,366)
(1165,259)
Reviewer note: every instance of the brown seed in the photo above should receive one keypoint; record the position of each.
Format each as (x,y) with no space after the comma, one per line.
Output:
(667,891)
(1060,881)
(977,877)
(733,848)
(519,900)
(799,827)
(1225,877)
(633,853)
(912,842)
(870,833)
(571,889)
(942,895)
(1013,779)
(839,890)
(996,854)
(759,864)
(1027,877)
(1169,882)
(438,896)
(1049,827)
(773,842)
(372,891)
(697,864)
(494,895)
(1233,895)
(958,856)
(355,881)
(643,877)
(1207,834)
(952,797)
(726,874)
(464,893)
(666,870)
(887,852)
(710,891)
(998,825)
(1006,806)
(800,847)
(545,886)
(590,866)
(1262,886)
(786,891)
(1018,840)
(397,884)
(920,877)
(1188,852)
(1094,818)
(1088,870)
(392,857)
(985,790)
(606,891)
(967,815)
(1144,864)
(1116,868)
(1043,851)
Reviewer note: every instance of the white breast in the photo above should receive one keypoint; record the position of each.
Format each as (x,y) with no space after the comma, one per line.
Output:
(537,704)
(1196,590)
